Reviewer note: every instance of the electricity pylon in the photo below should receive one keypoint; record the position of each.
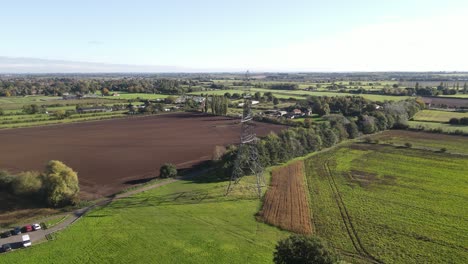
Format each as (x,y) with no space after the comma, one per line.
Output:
(247,159)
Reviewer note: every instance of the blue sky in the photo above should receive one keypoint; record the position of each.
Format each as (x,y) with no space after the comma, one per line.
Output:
(333,35)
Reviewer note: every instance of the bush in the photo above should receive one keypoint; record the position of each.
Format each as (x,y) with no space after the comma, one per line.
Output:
(168,170)
(443,150)
(302,249)
(27,183)
(454,121)
(6,180)
(408,145)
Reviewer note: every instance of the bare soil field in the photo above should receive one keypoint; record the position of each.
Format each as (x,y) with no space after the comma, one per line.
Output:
(441,102)
(285,202)
(110,155)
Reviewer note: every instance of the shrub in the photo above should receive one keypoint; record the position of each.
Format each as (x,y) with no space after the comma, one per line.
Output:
(6,180)
(408,145)
(168,170)
(454,121)
(27,183)
(302,249)
(443,150)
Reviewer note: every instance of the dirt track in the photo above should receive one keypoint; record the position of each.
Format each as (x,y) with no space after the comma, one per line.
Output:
(110,155)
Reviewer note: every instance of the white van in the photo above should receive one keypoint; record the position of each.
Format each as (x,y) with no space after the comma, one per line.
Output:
(26,241)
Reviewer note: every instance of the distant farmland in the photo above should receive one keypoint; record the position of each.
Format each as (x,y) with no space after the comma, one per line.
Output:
(110,155)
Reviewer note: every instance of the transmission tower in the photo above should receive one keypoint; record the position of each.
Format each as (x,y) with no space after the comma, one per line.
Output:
(247,159)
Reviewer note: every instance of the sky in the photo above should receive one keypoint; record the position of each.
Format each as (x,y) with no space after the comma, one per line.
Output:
(215,35)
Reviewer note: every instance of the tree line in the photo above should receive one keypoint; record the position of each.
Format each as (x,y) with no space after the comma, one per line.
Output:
(218,104)
(57,186)
(60,86)
(298,141)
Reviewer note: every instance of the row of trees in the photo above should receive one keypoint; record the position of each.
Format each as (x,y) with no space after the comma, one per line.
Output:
(59,86)
(298,141)
(57,186)
(459,121)
(284,86)
(218,104)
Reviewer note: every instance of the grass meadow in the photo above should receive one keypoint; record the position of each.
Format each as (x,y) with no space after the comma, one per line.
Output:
(397,204)
(444,127)
(438,116)
(182,222)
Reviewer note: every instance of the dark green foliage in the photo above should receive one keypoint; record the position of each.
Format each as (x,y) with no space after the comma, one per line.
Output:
(298,141)
(459,121)
(219,105)
(299,249)
(284,86)
(408,145)
(34,109)
(6,180)
(352,129)
(168,170)
(275,101)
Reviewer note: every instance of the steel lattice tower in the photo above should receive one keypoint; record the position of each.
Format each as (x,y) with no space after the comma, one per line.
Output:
(247,159)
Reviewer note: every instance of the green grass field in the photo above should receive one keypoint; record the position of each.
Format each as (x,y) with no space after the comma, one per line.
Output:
(301,94)
(183,222)
(404,205)
(437,115)
(44,119)
(144,96)
(432,125)
(455,95)
(373,97)
(430,141)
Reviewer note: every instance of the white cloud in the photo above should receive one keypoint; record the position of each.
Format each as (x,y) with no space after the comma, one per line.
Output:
(419,45)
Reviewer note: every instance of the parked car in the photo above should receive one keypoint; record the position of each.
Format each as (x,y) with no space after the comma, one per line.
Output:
(16,231)
(26,241)
(6,247)
(36,227)
(27,228)
(6,234)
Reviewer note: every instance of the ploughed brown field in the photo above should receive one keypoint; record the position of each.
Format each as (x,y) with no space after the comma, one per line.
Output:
(285,203)
(109,155)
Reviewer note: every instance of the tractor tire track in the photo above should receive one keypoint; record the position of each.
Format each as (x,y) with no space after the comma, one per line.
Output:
(352,233)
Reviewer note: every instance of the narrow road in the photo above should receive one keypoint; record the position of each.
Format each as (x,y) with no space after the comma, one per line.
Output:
(40,235)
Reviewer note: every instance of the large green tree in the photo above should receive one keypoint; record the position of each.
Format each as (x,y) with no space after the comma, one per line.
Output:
(60,184)
(299,249)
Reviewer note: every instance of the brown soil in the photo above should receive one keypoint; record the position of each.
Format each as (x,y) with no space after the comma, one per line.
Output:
(446,102)
(110,155)
(285,202)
